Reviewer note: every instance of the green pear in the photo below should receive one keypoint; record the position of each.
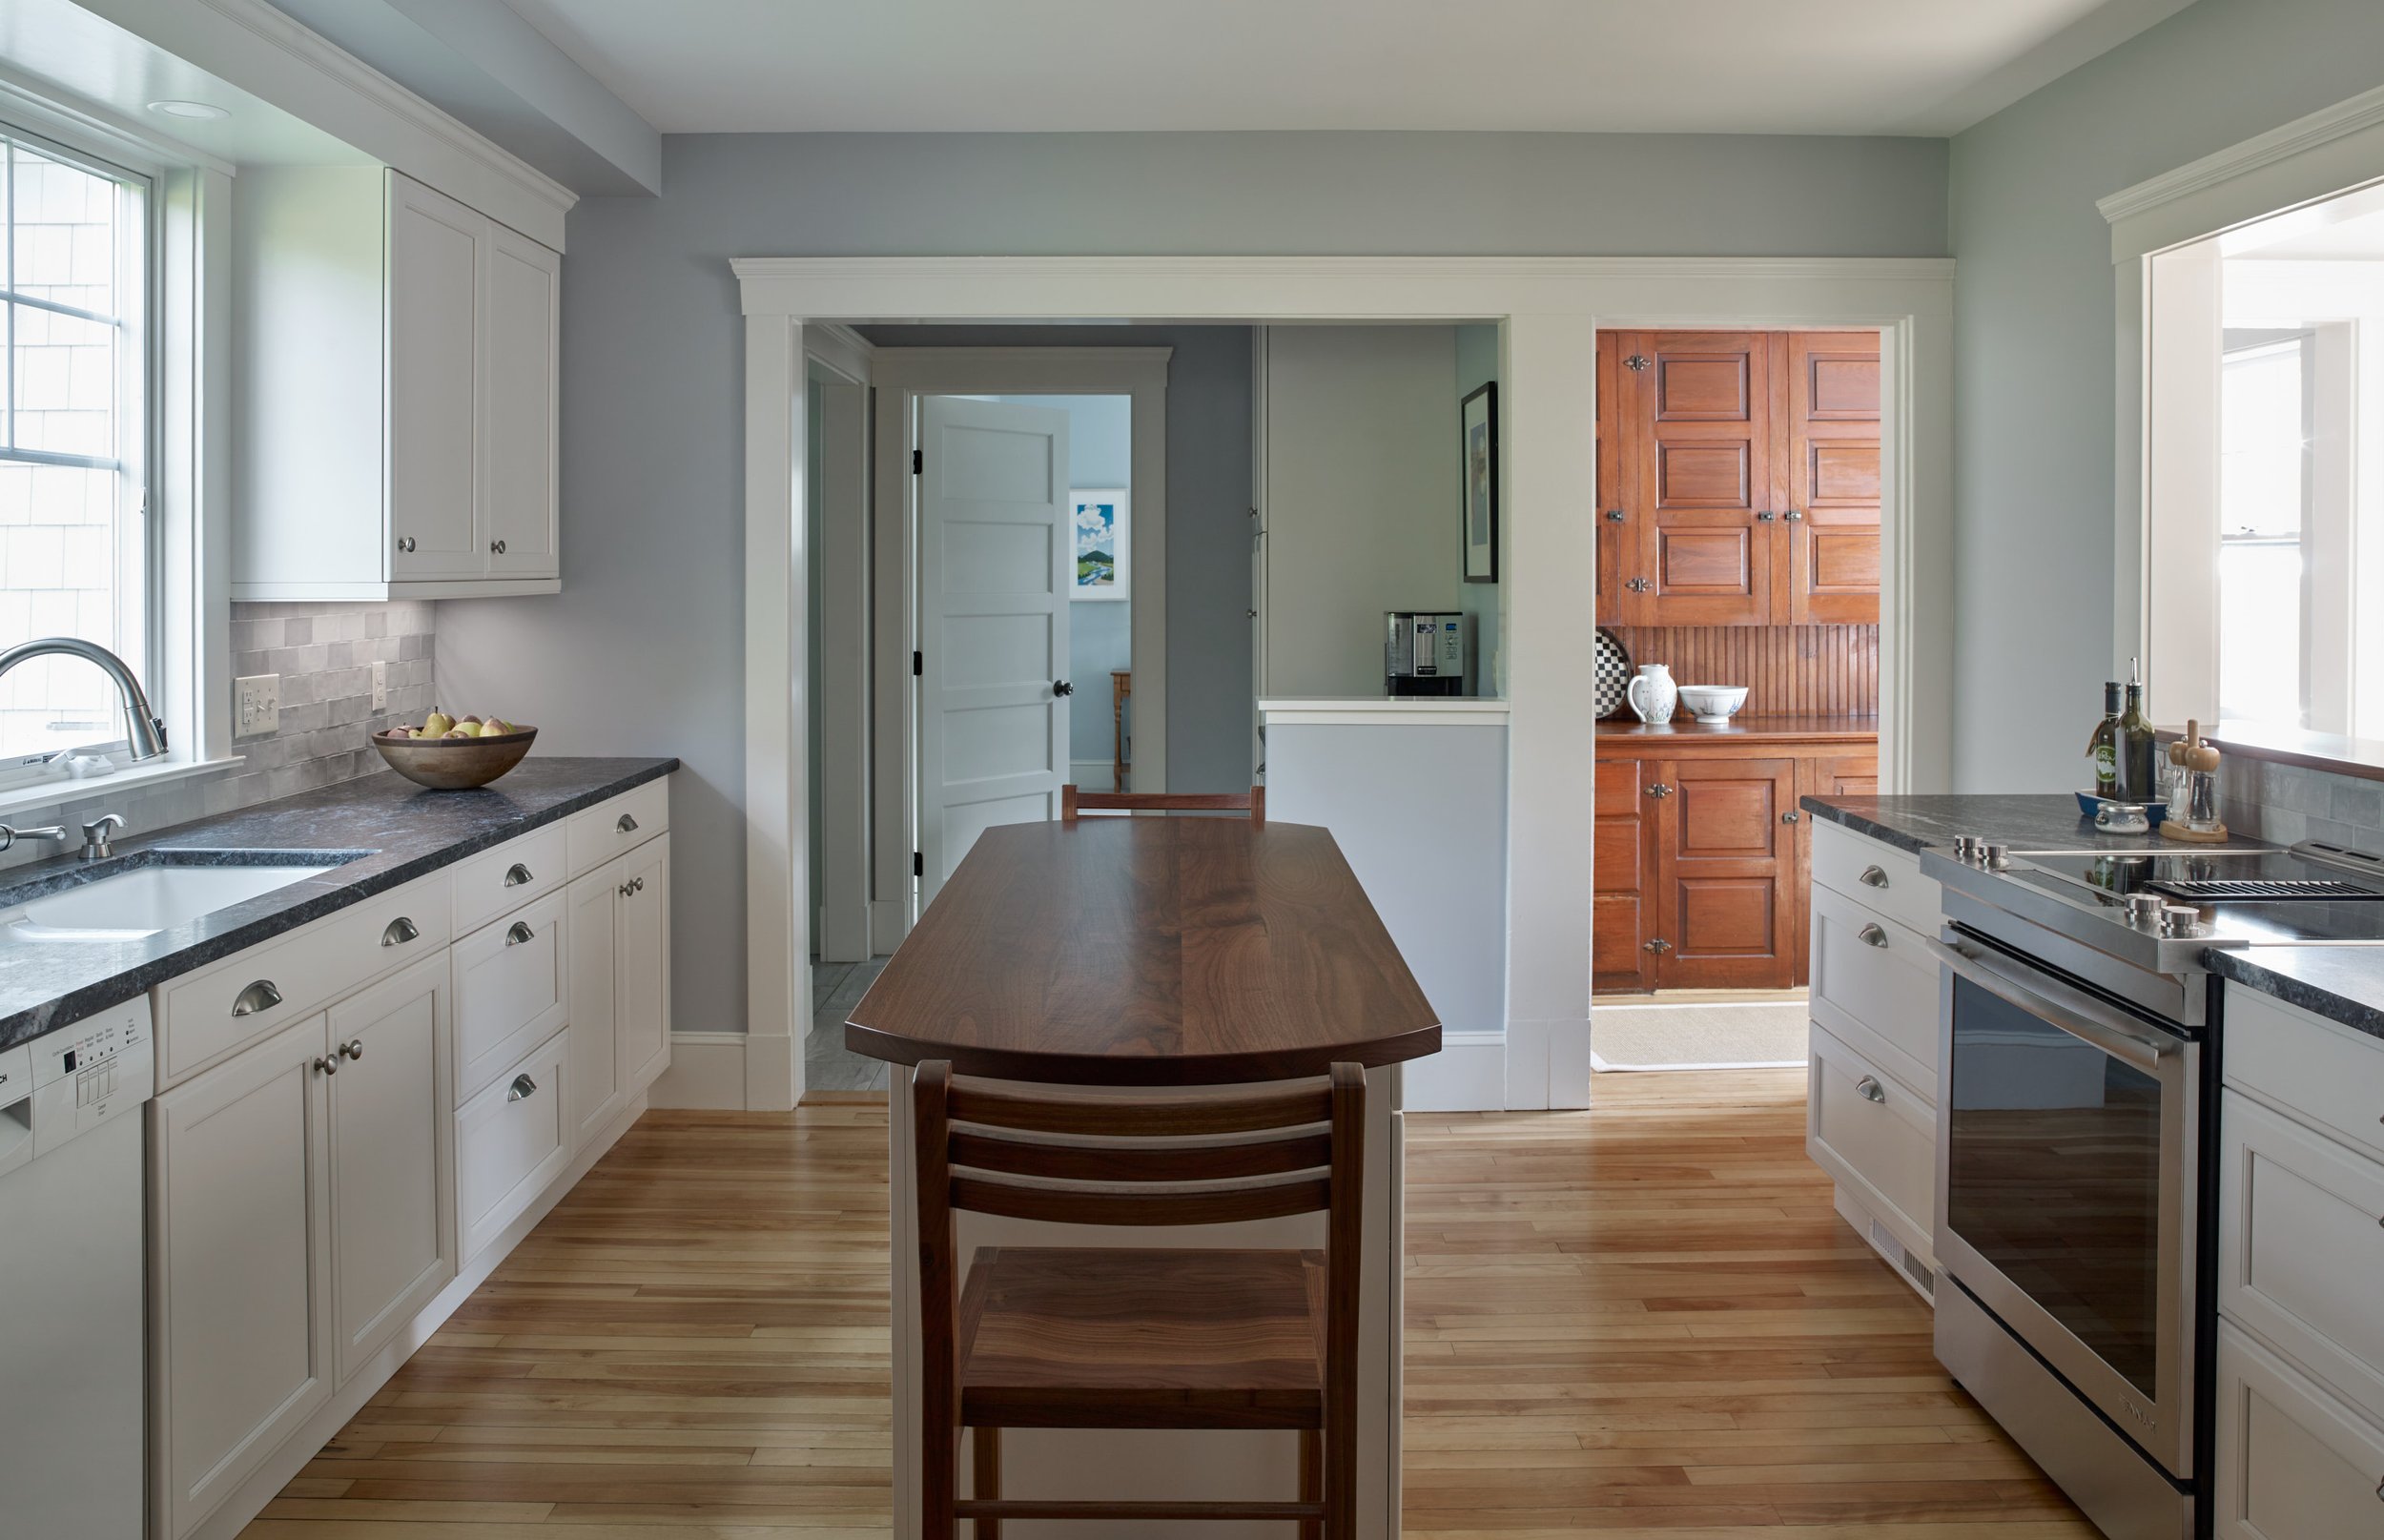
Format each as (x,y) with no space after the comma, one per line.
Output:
(438,725)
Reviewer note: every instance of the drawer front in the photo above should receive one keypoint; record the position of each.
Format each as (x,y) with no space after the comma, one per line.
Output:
(1870,1131)
(1620,792)
(2326,1073)
(495,881)
(2301,1248)
(616,827)
(1875,971)
(1876,875)
(207,1016)
(510,1141)
(511,989)
(2293,1463)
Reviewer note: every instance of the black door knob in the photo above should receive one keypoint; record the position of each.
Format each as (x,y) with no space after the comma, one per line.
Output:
(1061,687)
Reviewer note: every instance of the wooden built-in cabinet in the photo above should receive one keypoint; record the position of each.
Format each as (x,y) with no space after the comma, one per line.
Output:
(1739,478)
(1700,849)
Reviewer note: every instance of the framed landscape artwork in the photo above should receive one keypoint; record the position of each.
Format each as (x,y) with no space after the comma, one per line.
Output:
(1477,421)
(1104,567)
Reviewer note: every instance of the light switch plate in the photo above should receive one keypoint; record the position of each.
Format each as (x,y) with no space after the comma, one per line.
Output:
(259,704)
(380,687)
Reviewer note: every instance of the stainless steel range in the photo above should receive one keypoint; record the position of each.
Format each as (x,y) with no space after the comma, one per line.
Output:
(2077,1077)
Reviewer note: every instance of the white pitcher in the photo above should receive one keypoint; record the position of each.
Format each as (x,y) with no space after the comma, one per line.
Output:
(1652,692)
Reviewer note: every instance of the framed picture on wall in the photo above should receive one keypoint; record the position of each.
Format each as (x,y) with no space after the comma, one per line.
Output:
(1477,432)
(1104,566)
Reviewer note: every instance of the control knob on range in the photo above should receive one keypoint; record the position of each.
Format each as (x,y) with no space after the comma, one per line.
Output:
(2144,911)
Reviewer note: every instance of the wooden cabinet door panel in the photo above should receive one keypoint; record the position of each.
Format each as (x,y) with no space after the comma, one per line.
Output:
(1831,494)
(1619,962)
(1726,867)
(1615,404)
(1622,878)
(1701,465)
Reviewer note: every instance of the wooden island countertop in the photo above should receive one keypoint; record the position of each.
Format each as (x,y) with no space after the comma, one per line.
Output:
(1139,951)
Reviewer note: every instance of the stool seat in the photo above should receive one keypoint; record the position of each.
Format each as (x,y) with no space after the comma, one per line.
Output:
(1149,1338)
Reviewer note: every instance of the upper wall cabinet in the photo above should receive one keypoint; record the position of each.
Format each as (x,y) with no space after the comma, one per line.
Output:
(1739,478)
(397,388)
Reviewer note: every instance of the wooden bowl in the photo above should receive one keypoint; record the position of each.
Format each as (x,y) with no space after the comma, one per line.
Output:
(454,764)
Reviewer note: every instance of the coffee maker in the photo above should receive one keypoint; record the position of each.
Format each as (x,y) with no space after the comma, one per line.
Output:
(1425,653)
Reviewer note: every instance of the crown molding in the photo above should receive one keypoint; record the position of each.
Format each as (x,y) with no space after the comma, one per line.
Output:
(1922,269)
(2328,124)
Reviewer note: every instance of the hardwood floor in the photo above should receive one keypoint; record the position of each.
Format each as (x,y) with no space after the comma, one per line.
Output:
(1642,1321)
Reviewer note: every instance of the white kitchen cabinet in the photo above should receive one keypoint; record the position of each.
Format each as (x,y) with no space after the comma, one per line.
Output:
(1878,1138)
(392,1209)
(240,1258)
(396,377)
(2293,1463)
(641,945)
(512,1141)
(595,1063)
(512,990)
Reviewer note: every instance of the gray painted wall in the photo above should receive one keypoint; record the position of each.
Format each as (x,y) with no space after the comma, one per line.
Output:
(642,652)
(2035,346)
(1477,365)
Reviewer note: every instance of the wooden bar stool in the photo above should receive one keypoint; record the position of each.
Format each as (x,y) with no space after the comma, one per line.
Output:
(1154,1337)
(1253,802)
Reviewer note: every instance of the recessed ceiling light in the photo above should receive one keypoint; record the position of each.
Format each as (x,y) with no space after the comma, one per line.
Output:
(194,110)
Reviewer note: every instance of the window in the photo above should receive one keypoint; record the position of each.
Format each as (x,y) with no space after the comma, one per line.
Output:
(2263,511)
(75,545)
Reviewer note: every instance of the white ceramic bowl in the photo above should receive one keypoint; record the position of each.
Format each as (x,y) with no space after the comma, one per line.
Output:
(1712,703)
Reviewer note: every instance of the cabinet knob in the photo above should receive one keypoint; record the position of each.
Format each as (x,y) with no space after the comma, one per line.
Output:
(1639,584)
(1659,790)
(626,824)
(353,1048)
(1659,946)
(1871,877)
(1613,516)
(1792,816)
(1765,517)
(519,933)
(1792,516)
(406,542)
(517,874)
(326,1066)
(260,996)
(1871,936)
(521,1088)
(1870,1090)
(496,547)
(400,932)
(626,889)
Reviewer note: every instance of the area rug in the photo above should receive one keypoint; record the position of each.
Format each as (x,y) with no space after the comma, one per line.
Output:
(1704,1036)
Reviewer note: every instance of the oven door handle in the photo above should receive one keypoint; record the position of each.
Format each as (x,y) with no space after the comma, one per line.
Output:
(2073,1012)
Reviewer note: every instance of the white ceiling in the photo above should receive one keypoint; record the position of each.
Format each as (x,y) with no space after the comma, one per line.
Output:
(1927,67)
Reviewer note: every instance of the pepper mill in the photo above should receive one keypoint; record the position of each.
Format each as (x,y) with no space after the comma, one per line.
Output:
(2193,815)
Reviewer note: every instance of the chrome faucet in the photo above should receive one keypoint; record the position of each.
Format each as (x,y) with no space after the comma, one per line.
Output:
(148,730)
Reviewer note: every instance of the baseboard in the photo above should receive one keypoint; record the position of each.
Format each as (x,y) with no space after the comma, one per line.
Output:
(248,1499)
(1547,1065)
(1467,1075)
(707,1069)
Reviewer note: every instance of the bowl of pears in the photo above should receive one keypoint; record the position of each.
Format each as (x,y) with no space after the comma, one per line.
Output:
(455,754)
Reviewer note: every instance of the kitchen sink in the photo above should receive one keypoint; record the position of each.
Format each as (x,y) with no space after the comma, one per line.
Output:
(153,891)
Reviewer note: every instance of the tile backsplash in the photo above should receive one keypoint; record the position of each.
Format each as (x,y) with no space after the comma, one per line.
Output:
(2285,804)
(324,654)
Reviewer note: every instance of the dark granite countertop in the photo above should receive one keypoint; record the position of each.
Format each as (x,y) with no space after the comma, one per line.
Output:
(2343,984)
(2024,821)
(401,831)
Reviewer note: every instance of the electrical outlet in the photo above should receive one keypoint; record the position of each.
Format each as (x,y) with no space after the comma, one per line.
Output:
(380,687)
(259,697)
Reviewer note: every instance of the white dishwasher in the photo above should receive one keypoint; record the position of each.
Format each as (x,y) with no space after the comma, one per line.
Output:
(74,1278)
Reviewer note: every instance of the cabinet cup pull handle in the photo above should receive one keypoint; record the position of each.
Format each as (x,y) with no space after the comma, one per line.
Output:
(626,824)
(353,1048)
(517,874)
(518,932)
(1871,877)
(523,1087)
(401,931)
(1871,936)
(260,996)
(1869,1088)
(327,1067)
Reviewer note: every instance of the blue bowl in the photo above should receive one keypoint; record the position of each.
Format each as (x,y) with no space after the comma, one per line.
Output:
(2088,804)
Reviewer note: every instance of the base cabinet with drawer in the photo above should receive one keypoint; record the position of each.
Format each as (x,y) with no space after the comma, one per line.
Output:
(2301,1374)
(353,1120)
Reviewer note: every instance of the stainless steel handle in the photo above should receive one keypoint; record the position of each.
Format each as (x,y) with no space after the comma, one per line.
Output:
(518,932)
(2058,1005)
(522,1086)
(1871,936)
(400,932)
(260,996)
(626,824)
(517,874)
(353,1048)
(1871,877)
(326,1066)
(406,542)
(1870,1090)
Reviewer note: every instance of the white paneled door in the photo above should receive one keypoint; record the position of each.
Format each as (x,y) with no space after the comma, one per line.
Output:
(997,564)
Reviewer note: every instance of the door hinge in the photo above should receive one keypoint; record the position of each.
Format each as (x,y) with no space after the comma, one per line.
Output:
(918,462)
(919,863)
(918,664)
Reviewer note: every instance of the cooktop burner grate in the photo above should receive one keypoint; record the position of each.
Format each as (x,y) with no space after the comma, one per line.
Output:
(2306,889)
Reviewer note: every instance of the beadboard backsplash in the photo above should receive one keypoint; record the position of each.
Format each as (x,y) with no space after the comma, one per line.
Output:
(324,654)
(1789,671)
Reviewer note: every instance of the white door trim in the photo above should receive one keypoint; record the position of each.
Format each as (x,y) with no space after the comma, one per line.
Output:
(841,362)
(1550,309)
(903,374)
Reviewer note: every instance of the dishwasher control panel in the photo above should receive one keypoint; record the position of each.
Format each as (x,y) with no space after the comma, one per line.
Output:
(102,1067)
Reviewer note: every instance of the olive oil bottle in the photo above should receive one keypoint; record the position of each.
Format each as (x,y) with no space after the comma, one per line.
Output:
(2103,747)
(2139,778)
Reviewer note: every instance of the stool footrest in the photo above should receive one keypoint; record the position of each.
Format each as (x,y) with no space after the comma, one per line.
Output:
(1035,1508)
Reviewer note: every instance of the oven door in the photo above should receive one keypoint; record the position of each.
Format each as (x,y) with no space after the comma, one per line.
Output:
(2066,1129)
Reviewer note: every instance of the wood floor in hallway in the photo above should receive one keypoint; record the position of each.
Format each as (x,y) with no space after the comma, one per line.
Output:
(1643,1321)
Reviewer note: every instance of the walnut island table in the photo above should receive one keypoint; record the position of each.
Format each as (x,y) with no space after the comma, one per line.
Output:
(1150,952)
